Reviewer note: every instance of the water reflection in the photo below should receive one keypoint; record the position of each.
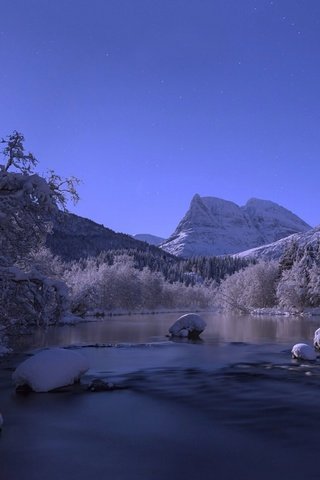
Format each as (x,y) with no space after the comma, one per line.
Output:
(154,328)
(256,329)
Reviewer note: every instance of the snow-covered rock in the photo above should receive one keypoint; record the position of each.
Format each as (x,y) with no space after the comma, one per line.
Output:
(189,325)
(302,351)
(213,226)
(50,369)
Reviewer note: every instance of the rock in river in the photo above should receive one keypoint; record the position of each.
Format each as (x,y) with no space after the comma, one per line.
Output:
(50,369)
(188,326)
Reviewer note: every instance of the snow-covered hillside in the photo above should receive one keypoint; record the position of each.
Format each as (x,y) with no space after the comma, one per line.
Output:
(213,226)
(275,250)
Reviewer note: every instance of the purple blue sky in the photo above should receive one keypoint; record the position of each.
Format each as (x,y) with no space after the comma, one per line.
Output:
(151,101)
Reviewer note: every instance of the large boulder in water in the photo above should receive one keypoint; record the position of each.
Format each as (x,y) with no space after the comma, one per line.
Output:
(50,369)
(302,351)
(188,326)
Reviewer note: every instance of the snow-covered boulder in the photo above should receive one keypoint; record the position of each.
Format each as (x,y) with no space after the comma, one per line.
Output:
(302,351)
(316,339)
(188,326)
(50,369)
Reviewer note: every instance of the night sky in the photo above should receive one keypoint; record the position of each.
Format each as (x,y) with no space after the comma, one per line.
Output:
(151,101)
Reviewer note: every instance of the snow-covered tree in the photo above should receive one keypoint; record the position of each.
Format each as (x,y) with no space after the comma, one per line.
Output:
(96,285)
(15,156)
(253,287)
(152,287)
(122,286)
(44,261)
(299,286)
(28,203)
(292,290)
(27,200)
(314,286)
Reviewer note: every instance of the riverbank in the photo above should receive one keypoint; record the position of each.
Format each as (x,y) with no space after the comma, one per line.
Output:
(276,311)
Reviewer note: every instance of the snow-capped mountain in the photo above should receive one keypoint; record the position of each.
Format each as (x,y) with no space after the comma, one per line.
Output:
(275,250)
(213,226)
(147,237)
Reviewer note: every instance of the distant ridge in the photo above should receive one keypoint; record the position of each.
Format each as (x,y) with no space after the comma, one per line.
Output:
(213,226)
(75,237)
(151,239)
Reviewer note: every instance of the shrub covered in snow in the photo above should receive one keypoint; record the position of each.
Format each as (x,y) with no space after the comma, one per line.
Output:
(95,284)
(50,369)
(253,287)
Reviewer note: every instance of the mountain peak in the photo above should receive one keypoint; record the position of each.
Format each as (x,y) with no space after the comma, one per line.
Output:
(214,226)
(196,197)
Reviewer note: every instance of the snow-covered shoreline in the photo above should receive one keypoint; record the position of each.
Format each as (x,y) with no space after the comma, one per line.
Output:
(276,311)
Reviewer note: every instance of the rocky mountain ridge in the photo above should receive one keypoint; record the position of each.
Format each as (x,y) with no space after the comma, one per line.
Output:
(213,226)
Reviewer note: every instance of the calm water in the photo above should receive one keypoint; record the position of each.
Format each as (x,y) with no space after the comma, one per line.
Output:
(153,328)
(234,404)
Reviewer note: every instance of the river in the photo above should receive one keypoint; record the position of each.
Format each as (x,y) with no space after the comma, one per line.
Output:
(232,405)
